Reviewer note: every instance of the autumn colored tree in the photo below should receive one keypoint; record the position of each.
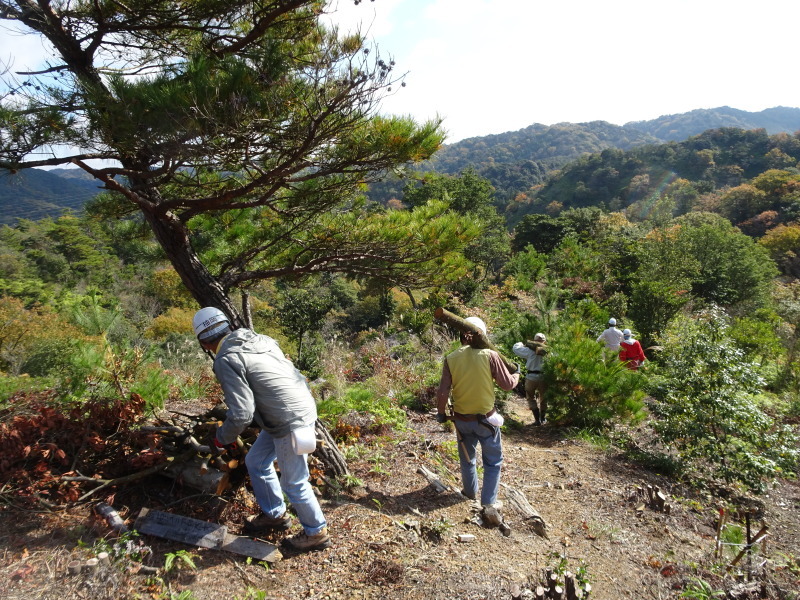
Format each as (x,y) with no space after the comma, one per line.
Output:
(783,244)
(241,132)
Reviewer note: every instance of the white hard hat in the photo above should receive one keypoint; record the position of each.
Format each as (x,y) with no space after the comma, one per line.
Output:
(539,337)
(612,321)
(208,322)
(476,322)
(626,332)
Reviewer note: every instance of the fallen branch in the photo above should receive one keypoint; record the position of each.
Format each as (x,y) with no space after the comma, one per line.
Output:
(519,502)
(104,483)
(434,480)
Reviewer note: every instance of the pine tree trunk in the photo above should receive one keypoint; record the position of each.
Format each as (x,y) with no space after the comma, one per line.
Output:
(206,289)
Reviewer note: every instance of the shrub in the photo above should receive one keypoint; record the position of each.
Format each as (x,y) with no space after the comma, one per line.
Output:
(587,386)
(706,396)
(174,321)
(360,399)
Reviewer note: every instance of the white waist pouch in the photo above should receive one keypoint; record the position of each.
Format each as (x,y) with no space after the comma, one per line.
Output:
(496,419)
(304,440)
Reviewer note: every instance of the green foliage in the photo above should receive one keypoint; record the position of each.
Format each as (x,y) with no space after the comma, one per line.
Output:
(10,385)
(733,268)
(699,589)
(300,311)
(654,304)
(708,411)
(179,558)
(757,335)
(252,593)
(586,386)
(470,196)
(527,267)
(361,399)
(26,335)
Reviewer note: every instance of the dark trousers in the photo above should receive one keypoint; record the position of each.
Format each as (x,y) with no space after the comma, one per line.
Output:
(534,392)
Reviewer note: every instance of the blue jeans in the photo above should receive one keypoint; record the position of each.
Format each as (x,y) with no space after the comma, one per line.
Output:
(267,486)
(470,434)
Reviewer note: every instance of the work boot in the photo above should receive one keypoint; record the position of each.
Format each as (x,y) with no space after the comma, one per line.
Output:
(467,495)
(302,542)
(256,524)
(537,419)
(491,516)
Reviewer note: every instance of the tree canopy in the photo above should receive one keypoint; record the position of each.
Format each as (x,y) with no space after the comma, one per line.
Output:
(241,132)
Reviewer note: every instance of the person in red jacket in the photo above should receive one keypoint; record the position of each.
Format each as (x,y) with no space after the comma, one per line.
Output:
(630,351)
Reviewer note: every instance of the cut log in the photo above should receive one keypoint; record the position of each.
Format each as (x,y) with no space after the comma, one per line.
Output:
(111,516)
(530,517)
(571,589)
(538,593)
(192,474)
(479,339)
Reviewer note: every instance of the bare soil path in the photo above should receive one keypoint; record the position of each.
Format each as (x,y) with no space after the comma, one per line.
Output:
(397,537)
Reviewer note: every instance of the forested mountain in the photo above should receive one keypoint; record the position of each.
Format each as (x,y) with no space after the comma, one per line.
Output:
(682,126)
(516,162)
(688,173)
(35,193)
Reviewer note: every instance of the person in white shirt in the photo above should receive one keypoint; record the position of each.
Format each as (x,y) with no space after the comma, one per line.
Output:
(611,337)
(534,352)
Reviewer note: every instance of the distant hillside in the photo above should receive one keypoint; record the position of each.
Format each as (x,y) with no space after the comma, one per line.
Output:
(698,172)
(516,161)
(519,161)
(682,126)
(35,193)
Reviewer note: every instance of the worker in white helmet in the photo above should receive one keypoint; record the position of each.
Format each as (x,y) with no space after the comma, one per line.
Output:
(261,385)
(470,375)
(534,351)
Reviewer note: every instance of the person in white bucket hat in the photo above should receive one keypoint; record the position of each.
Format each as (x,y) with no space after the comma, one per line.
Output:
(470,374)
(262,385)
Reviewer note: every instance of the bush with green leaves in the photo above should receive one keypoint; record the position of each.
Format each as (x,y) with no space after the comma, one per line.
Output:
(527,267)
(587,386)
(706,398)
(380,410)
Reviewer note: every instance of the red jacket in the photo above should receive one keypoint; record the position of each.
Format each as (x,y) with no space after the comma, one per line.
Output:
(630,352)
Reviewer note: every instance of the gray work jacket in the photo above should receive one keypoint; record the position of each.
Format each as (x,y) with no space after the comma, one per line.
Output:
(262,385)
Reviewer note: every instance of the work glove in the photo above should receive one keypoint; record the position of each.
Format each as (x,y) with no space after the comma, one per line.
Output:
(441,418)
(216,446)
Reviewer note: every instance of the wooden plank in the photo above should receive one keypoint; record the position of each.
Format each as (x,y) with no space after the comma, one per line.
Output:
(252,548)
(180,529)
(202,534)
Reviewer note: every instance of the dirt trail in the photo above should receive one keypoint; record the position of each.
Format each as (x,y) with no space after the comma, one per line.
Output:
(386,533)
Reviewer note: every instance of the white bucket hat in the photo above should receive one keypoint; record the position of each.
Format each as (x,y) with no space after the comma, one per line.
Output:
(477,322)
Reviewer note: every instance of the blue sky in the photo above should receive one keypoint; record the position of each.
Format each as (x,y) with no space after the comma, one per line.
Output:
(490,66)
